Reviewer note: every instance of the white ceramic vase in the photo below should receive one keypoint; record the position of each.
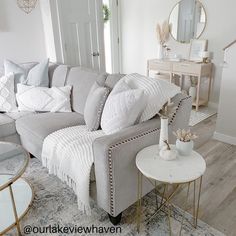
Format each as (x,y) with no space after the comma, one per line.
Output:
(160,53)
(192,92)
(163,132)
(184,148)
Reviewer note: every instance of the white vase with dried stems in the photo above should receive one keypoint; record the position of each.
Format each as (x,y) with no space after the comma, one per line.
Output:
(184,142)
(165,113)
(192,90)
(163,33)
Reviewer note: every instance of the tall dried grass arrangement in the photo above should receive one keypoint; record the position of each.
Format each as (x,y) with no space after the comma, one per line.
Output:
(163,32)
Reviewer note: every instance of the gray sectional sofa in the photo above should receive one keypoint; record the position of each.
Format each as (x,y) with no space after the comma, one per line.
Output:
(115,170)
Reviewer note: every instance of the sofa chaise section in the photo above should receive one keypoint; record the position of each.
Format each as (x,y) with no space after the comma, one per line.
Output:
(33,129)
(8,130)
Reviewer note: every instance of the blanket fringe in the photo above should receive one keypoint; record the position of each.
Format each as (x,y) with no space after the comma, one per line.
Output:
(85,208)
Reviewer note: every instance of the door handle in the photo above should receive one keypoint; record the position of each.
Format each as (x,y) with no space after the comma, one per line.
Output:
(95,54)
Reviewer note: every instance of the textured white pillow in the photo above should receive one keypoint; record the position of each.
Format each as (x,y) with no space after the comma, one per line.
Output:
(122,108)
(55,99)
(157,91)
(7,94)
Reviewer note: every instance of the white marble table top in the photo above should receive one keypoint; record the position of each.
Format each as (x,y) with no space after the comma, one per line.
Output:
(182,170)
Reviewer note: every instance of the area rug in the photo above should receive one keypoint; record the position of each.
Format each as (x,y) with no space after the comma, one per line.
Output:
(55,204)
(201,115)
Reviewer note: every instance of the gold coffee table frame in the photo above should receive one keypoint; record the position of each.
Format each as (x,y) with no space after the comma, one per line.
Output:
(9,185)
(166,200)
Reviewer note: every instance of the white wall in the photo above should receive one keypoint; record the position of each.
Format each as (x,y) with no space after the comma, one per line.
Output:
(21,35)
(138,40)
(225,126)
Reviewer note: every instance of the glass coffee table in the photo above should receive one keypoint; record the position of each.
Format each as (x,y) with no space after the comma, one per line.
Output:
(16,194)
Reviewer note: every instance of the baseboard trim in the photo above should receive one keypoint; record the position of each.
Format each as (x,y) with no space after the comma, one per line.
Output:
(213,105)
(225,138)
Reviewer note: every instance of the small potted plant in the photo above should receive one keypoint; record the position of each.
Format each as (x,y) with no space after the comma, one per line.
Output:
(192,89)
(166,153)
(184,142)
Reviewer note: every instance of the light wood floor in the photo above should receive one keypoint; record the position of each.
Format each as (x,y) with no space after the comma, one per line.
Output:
(218,198)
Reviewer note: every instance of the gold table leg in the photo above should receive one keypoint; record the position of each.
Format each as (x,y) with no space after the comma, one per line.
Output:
(15,211)
(156,195)
(165,201)
(139,202)
(185,209)
(194,201)
(198,203)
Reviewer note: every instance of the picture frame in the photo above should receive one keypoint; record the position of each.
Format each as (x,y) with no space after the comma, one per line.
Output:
(197,46)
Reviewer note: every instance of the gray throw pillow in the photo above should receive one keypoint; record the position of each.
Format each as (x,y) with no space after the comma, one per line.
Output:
(35,74)
(94,105)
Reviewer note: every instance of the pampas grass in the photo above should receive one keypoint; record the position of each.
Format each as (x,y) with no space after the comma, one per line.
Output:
(163,32)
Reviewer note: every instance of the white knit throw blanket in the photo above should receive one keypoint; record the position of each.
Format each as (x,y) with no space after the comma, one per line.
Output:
(68,154)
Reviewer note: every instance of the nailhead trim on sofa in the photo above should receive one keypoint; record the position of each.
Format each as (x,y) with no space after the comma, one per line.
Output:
(126,141)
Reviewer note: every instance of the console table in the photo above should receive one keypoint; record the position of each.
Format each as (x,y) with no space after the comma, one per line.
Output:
(182,68)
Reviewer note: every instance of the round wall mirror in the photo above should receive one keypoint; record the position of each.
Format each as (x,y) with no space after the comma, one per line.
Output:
(187,20)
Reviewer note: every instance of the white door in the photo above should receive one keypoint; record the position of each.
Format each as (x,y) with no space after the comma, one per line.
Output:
(81,24)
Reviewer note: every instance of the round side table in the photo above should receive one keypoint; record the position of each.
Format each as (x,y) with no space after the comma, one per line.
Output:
(184,170)
(16,194)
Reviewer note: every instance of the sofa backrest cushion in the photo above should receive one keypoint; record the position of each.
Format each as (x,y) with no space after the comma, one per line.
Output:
(59,75)
(81,80)
(94,105)
(112,79)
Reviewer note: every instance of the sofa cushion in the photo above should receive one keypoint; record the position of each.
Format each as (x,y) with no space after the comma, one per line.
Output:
(2,73)
(112,79)
(55,99)
(59,76)
(7,94)
(157,91)
(81,80)
(33,74)
(7,126)
(39,126)
(33,129)
(17,115)
(94,106)
(123,108)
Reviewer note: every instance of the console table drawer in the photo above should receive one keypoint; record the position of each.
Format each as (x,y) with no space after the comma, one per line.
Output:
(158,65)
(187,68)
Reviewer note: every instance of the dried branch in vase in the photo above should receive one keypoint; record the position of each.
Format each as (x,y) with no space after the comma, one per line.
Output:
(163,32)
(167,110)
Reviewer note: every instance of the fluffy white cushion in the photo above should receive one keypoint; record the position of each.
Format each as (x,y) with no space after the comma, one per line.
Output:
(122,108)
(7,95)
(55,99)
(157,91)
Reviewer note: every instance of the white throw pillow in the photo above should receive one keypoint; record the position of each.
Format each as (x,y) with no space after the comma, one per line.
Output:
(7,94)
(55,99)
(157,92)
(122,108)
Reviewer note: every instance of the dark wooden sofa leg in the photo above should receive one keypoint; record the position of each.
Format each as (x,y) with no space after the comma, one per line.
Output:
(115,220)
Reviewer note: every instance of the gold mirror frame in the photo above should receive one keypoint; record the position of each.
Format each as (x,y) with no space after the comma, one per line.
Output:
(202,29)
